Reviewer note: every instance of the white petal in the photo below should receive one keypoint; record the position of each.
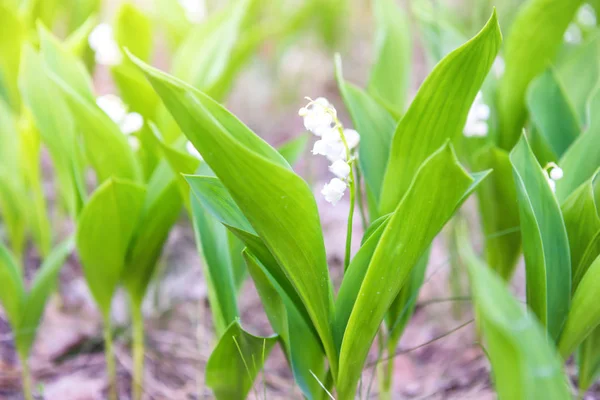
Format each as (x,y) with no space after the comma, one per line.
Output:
(336,151)
(330,135)
(192,150)
(352,138)
(113,107)
(100,35)
(552,185)
(334,190)
(320,148)
(482,111)
(195,10)
(132,122)
(573,34)
(340,168)
(134,142)
(586,16)
(556,173)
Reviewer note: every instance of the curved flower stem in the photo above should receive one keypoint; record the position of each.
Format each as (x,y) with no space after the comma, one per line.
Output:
(359,198)
(111,369)
(351,187)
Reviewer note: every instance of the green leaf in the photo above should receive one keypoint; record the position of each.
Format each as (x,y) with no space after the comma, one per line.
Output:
(583,224)
(581,159)
(106,147)
(278,203)
(12,34)
(302,347)
(499,211)
(389,79)
(293,149)
(106,226)
(439,188)
(589,360)
(161,210)
(524,363)
(42,287)
(55,124)
(12,295)
(552,113)
(236,361)
(376,127)
(431,118)
(584,315)
(579,74)
(534,38)
(545,242)
(133,31)
(77,41)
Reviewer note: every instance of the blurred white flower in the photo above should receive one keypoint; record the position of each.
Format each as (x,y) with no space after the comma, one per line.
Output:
(134,142)
(479,113)
(106,49)
(334,190)
(352,138)
(498,67)
(193,151)
(318,116)
(556,173)
(195,10)
(553,173)
(586,16)
(573,34)
(116,110)
(340,168)
(332,150)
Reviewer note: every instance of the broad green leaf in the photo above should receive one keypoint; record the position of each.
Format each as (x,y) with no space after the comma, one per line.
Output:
(376,127)
(499,211)
(278,203)
(583,158)
(133,31)
(525,365)
(236,361)
(172,19)
(211,237)
(589,360)
(579,74)
(12,295)
(389,79)
(303,349)
(534,38)
(439,188)
(42,287)
(293,149)
(13,211)
(584,315)
(105,228)
(12,34)
(55,124)
(106,147)
(439,110)
(583,224)
(77,41)
(78,11)
(161,209)
(545,242)
(552,113)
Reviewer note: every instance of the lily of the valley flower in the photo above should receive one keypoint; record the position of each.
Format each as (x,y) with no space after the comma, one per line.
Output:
(335,143)
(586,16)
(479,113)
(553,173)
(573,34)
(334,190)
(193,151)
(106,49)
(114,107)
(195,10)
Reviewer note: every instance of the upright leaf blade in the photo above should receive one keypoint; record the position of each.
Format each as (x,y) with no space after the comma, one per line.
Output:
(439,110)
(545,242)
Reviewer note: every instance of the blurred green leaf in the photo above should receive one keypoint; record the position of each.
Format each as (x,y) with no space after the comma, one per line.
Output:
(133,31)
(376,127)
(439,188)
(302,348)
(277,202)
(525,365)
(105,228)
(552,113)
(389,79)
(77,41)
(293,149)
(12,295)
(545,242)
(583,157)
(534,38)
(499,211)
(12,34)
(236,361)
(431,118)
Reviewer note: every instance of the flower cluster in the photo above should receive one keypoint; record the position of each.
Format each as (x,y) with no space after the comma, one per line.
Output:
(585,19)
(479,113)
(128,122)
(102,41)
(553,173)
(335,143)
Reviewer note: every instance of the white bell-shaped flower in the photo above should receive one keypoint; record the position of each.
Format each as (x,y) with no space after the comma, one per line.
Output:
(573,34)
(106,49)
(113,106)
(586,16)
(334,190)
(193,151)
(134,142)
(352,138)
(132,123)
(476,125)
(318,116)
(556,173)
(195,10)
(340,168)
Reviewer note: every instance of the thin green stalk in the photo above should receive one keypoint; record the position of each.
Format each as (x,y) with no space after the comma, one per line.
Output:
(359,197)
(137,320)
(26,378)
(351,187)
(111,369)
